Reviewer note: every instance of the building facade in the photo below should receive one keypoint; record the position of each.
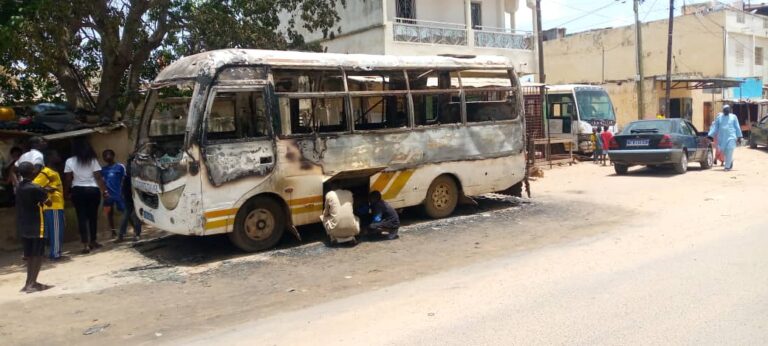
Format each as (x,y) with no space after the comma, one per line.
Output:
(718,56)
(432,27)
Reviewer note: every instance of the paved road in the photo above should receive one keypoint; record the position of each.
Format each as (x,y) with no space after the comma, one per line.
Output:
(690,267)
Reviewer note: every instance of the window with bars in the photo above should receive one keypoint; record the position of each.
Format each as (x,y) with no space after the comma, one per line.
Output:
(739,54)
(405,9)
(740,17)
(759,56)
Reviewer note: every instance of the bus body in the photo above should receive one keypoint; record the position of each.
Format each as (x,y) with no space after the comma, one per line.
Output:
(248,142)
(574,110)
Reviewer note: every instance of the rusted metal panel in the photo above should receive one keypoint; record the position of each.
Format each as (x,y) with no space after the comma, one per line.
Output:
(231,161)
(205,65)
(409,149)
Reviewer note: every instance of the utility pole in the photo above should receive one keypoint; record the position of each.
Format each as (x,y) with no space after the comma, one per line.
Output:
(540,43)
(639,62)
(669,58)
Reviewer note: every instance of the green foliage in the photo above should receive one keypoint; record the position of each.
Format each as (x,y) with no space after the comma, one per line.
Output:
(53,49)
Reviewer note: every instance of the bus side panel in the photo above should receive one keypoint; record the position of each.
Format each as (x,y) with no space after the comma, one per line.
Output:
(409,187)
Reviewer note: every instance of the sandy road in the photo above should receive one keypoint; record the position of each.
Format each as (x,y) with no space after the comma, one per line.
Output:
(690,267)
(647,258)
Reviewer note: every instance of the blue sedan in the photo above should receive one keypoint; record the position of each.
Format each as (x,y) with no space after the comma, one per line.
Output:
(673,142)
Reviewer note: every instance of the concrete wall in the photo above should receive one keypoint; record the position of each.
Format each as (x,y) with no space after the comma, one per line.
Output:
(370,41)
(624,98)
(357,15)
(743,38)
(697,48)
(453,11)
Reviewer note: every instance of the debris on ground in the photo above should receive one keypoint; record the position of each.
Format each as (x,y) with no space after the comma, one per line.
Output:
(96,329)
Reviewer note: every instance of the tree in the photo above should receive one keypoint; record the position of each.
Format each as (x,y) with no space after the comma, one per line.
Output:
(117,43)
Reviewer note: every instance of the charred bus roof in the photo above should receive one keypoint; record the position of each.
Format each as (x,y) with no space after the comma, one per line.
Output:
(203,66)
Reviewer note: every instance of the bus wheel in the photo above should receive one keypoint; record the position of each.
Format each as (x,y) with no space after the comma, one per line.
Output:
(259,225)
(442,197)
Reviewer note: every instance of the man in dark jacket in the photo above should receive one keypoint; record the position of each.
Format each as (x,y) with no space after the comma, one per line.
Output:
(385,218)
(30,200)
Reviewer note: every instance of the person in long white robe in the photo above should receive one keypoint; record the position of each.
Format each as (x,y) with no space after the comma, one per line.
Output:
(728,131)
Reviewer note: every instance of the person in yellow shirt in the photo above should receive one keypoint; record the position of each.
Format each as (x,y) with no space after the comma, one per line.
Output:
(53,215)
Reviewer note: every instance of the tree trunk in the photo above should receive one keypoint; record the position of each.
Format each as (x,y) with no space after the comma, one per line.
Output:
(109,91)
(68,81)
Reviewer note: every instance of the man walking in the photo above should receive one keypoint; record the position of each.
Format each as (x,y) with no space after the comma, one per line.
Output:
(728,132)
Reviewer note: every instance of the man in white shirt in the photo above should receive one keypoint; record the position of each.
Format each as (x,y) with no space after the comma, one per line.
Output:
(338,217)
(35,153)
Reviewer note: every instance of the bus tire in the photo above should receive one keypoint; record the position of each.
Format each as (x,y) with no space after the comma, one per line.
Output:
(442,197)
(259,224)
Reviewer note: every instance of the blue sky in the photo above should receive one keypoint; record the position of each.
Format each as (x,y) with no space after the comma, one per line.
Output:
(581,15)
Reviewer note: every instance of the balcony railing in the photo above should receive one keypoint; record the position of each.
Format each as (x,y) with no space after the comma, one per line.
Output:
(503,38)
(423,31)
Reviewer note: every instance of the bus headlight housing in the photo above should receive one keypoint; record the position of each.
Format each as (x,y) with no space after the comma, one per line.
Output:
(170,199)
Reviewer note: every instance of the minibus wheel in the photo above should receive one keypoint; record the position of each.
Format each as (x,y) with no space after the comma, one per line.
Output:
(442,197)
(259,224)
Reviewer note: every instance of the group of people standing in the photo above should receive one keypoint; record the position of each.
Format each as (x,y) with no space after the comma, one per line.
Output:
(601,140)
(41,195)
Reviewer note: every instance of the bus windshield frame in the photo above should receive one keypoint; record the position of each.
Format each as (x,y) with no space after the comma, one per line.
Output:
(594,105)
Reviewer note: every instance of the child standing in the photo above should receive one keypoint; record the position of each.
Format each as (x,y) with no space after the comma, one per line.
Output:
(30,200)
(598,146)
(593,139)
(113,174)
(53,214)
(130,209)
(606,136)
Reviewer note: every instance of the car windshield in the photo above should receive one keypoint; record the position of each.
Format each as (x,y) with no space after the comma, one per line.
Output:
(651,126)
(594,105)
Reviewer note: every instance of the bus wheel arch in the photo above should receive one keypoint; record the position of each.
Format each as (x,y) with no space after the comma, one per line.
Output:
(260,223)
(443,196)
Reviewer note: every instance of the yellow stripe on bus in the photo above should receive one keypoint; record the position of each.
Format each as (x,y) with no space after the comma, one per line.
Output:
(398,184)
(307,209)
(305,200)
(220,213)
(382,181)
(219,223)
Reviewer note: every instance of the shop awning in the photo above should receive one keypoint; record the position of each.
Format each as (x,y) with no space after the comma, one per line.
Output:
(84,132)
(692,82)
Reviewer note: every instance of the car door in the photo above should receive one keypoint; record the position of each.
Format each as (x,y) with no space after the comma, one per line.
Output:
(689,140)
(761,131)
(702,142)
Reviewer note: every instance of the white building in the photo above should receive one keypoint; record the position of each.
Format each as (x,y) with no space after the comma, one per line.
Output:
(432,27)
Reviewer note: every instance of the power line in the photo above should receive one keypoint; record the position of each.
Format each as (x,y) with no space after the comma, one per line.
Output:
(588,13)
(649,10)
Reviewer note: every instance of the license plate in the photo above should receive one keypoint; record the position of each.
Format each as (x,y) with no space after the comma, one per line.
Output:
(146,186)
(148,216)
(637,142)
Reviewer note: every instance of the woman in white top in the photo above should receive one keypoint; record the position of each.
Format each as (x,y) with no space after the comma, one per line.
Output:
(84,185)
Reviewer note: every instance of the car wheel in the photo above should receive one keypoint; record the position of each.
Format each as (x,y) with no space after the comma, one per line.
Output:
(752,144)
(682,165)
(259,225)
(708,161)
(620,168)
(442,197)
